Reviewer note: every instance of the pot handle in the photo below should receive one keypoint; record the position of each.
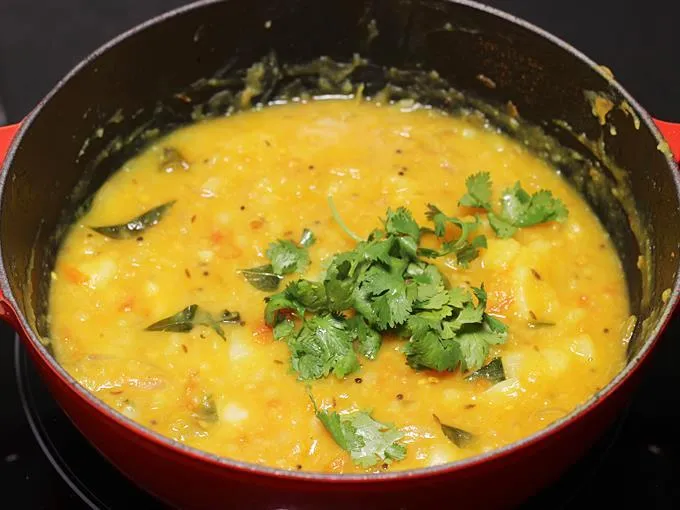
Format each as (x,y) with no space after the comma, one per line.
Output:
(671,132)
(6,136)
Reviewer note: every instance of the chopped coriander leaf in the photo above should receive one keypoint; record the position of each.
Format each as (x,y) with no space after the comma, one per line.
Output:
(518,208)
(502,228)
(477,292)
(408,247)
(424,321)
(493,371)
(287,257)
(435,215)
(340,281)
(311,295)
(391,302)
(363,305)
(279,307)
(440,220)
(458,334)
(458,297)
(465,248)
(323,346)
(375,250)
(430,288)
(475,339)
(524,210)
(424,273)
(461,438)
(431,297)
(368,441)
(428,350)
(283,329)
(369,339)
(383,286)
(338,220)
(479,191)
(470,251)
(401,223)
(262,277)
(468,314)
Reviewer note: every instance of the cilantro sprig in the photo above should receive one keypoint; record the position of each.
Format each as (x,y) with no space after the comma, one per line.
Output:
(385,286)
(289,257)
(459,333)
(466,248)
(321,346)
(367,440)
(518,209)
(286,257)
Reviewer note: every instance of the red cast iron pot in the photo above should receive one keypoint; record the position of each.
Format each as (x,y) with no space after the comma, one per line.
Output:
(49,170)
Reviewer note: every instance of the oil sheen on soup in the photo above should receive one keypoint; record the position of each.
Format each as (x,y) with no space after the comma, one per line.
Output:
(453,296)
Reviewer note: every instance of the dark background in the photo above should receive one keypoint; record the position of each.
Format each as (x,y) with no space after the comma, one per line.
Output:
(40,40)
(639,40)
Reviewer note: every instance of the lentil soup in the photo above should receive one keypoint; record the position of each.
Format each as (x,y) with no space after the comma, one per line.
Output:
(223,197)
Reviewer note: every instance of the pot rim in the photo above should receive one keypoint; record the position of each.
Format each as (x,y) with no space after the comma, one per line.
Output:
(247,468)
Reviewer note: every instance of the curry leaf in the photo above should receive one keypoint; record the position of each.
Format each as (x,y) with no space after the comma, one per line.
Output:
(307,238)
(180,322)
(228,317)
(493,371)
(137,225)
(461,438)
(172,160)
(540,324)
(262,277)
(185,320)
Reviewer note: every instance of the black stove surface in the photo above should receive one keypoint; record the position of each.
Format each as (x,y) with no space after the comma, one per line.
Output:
(46,464)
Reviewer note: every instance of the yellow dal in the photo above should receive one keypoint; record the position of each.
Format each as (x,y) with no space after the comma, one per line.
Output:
(260,176)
